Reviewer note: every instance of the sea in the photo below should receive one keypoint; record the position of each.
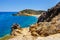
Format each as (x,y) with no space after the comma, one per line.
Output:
(7,20)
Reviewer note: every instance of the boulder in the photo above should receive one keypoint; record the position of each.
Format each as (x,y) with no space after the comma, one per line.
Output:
(15,30)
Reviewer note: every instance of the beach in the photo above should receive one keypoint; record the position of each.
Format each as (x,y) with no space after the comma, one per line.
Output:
(37,16)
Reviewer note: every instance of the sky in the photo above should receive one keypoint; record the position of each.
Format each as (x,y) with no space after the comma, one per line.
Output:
(18,5)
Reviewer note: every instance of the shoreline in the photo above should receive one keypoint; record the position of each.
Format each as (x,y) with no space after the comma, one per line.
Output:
(7,36)
(37,16)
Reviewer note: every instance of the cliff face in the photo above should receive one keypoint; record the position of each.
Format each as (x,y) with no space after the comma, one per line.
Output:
(50,14)
(48,23)
(46,28)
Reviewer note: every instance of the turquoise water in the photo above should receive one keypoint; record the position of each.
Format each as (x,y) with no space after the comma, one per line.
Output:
(7,20)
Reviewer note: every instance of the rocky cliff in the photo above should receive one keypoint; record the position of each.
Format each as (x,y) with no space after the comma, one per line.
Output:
(50,14)
(47,27)
(42,30)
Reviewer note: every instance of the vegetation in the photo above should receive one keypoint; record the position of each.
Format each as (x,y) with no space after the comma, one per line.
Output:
(29,11)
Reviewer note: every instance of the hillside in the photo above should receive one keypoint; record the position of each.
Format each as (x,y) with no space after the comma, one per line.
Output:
(29,12)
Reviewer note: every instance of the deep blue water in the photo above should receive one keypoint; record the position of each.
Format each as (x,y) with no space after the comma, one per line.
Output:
(7,20)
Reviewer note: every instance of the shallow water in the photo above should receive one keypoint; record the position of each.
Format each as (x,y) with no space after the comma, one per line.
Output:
(7,20)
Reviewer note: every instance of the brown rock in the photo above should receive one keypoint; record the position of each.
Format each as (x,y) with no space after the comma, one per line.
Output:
(15,30)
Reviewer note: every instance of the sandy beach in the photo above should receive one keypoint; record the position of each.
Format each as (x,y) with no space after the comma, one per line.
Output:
(37,16)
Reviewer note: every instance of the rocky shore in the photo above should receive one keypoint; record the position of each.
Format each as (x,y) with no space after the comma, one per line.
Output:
(46,28)
(37,32)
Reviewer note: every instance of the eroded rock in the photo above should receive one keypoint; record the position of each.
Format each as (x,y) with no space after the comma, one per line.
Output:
(15,30)
(50,14)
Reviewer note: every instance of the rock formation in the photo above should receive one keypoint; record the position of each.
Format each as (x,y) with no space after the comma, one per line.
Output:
(15,30)
(48,23)
(50,14)
(46,28)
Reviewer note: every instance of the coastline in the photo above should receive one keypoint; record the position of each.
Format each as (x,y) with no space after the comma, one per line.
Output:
(37,16)
(26,35)
(6,37)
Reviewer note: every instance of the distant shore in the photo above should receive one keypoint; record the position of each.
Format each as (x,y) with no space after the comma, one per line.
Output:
(36,16)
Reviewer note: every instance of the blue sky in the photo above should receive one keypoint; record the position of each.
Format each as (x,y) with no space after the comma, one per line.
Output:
(17,5)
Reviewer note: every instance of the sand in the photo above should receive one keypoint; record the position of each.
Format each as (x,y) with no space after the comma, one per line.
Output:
(26,35)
